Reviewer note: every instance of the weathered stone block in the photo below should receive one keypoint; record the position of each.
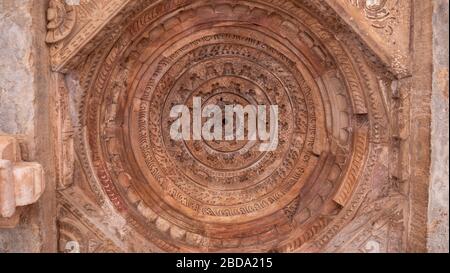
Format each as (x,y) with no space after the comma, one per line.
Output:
(29,182)
(21,183)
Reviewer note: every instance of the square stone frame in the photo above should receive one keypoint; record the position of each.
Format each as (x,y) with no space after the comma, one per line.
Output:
(413,78)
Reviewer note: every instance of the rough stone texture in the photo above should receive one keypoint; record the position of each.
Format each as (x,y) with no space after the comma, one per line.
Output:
(17,94)
(438,233)
(16,82)
(24,112)
(24,238)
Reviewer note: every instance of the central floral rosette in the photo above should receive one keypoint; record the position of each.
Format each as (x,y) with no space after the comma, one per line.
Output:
(220,179)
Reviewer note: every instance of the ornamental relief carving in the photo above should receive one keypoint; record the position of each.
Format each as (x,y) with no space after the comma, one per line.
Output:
(382,14)
(385,26)
(61,20)
(136,189)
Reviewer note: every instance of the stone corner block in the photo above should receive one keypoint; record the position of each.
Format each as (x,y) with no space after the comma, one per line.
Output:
(21,183)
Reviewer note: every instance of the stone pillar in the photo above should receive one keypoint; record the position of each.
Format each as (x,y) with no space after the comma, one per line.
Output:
(439,186)
(24,121)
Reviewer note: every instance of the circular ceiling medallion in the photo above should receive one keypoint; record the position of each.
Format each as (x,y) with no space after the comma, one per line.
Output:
(226,195)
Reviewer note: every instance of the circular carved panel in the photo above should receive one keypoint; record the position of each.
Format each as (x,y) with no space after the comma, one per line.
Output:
(199,194)
(220,185)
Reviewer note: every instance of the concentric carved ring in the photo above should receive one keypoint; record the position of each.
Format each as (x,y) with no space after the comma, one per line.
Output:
(227,195)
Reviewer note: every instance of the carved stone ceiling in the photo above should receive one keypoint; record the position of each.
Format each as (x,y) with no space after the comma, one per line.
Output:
(135,189)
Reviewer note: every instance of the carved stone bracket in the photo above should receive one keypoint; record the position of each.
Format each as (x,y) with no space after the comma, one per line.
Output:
(72,26)
(21,183)
(384,26)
